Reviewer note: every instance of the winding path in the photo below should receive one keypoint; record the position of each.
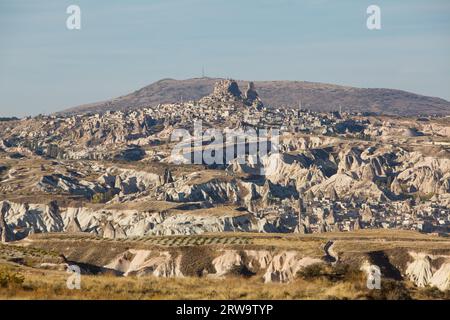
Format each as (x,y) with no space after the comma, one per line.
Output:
(330,255)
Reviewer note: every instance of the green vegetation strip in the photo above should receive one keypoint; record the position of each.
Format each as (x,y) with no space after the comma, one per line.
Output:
(198,240)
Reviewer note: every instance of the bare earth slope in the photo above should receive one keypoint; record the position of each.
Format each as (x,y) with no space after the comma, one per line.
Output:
(316,96)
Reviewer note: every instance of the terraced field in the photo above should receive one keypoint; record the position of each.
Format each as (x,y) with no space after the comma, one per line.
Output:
(27,256)
(164,241)
(358,240)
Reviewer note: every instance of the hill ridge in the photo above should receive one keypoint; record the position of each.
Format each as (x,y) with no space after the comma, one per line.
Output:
(316,96)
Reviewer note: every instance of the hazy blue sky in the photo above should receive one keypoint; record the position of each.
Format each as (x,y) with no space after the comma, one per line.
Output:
(124,45)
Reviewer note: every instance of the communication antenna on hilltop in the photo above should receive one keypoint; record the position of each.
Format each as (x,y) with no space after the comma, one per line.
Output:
(203,71)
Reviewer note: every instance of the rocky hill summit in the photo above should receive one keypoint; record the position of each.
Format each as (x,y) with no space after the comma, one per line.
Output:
(224,91)
(228,91)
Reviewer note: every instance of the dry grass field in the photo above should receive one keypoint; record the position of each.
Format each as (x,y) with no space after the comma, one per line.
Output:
(52,285)
(23,277)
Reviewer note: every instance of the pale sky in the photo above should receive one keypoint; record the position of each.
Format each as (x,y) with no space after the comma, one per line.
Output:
(125,45)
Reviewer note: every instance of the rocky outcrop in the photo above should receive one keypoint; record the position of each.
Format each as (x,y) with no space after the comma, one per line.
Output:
(284,266)
(128,181)
(73,226)
(105,136)
(62,183)
(112,181)
(426,175)
(19,220)
(213,191)
(225,262)
(441,278)
(5,233)
(224,91)
(421,272)
(146,262)
(346,186)
(276,267)
(396,188)
(23,219)
(252,97)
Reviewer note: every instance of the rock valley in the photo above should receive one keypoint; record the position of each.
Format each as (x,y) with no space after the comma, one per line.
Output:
(111,177)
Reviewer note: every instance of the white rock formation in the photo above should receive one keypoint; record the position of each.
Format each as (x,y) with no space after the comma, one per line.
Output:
(285,265)
(441,278)
(145,262)
(281,267)
(419,271)
(226,262)
(19,220)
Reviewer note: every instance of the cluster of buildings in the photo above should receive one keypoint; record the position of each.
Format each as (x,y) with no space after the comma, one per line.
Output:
(236,115)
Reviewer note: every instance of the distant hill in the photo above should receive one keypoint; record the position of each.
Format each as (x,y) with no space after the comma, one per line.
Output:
(314,96)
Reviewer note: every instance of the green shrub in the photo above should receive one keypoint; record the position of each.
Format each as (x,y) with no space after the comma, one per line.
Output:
(337,272)
(390,290)
(436,294)
(103,197)
(312,271)
(10,279)
(343,272)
